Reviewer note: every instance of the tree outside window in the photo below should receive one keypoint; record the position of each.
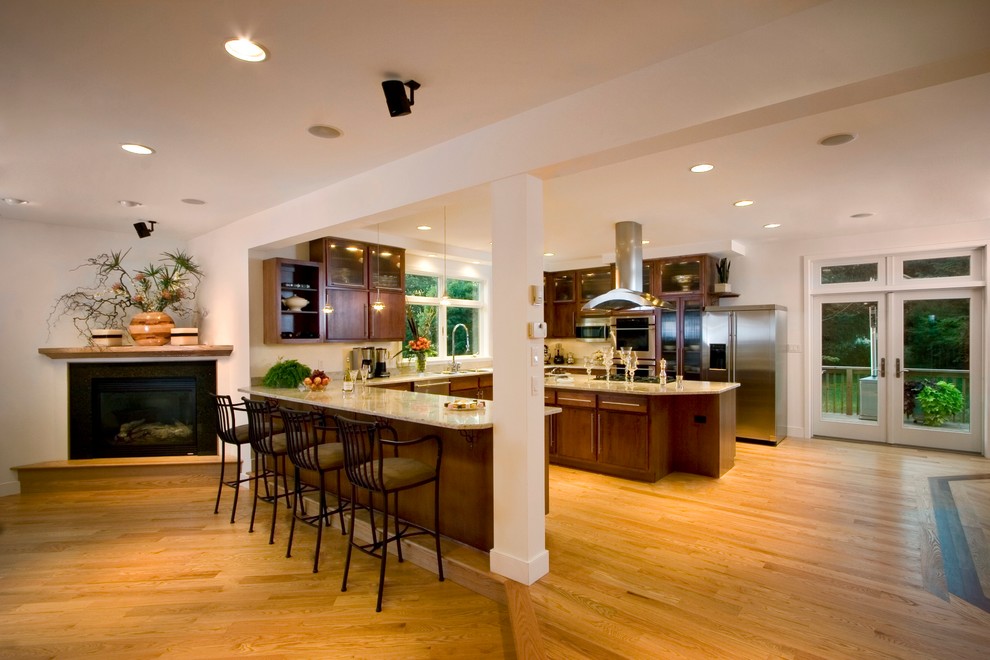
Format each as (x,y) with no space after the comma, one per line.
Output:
(426,314)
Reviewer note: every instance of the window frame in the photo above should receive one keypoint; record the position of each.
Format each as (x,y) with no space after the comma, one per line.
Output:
(480,344)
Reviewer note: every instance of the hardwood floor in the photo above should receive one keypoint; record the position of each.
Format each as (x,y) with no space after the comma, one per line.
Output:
(812,549)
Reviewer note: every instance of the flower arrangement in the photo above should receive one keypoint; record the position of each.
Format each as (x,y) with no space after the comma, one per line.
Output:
(167,285)
(419,347)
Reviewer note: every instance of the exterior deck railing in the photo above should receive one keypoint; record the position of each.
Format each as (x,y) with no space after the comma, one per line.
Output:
(841,385)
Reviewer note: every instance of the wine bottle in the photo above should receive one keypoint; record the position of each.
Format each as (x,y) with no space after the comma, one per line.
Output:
(348,379)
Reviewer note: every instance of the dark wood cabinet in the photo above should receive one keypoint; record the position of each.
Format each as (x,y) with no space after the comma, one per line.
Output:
(606,433)
(358,275)
(594,282)
(292,278)
(558,311)
(680,336)
(472,387)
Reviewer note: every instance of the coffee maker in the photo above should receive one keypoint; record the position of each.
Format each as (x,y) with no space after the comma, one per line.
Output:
(381,363)
(363,357)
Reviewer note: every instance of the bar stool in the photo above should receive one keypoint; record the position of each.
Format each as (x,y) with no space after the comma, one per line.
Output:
(230,433)
(270,450)
(368,468)
(309,449)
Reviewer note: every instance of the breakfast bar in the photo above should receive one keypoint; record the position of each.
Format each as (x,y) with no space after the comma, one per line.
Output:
(466,511)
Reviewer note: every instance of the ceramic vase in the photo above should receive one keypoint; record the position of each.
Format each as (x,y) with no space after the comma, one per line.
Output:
(151,328)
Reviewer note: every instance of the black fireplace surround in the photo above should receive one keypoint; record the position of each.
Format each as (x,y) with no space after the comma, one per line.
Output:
(142,409)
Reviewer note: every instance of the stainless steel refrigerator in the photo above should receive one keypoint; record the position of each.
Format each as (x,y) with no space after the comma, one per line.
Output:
(747,345)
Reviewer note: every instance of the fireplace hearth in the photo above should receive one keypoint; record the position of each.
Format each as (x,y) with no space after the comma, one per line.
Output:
(141,409)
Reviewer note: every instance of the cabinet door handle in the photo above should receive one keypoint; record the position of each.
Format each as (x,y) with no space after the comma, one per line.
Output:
(598,437)
(564,398)
(621,403)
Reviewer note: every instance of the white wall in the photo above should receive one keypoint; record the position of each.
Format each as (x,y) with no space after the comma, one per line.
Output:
(36,266)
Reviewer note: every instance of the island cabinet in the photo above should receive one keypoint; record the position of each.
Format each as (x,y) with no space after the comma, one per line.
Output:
(357,275)
(608,433)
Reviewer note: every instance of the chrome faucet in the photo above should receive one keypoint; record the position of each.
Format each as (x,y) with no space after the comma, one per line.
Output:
(454,366)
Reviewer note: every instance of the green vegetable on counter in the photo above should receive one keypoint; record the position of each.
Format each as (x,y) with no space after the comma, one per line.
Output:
(286,373)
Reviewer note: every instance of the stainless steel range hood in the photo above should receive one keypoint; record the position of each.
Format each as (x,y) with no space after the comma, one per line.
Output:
(629,293)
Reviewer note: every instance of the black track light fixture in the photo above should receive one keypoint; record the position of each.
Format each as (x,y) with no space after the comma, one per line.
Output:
(395,96)
(142,228)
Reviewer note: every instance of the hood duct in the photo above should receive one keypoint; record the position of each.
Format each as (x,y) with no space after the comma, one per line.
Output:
(628,293)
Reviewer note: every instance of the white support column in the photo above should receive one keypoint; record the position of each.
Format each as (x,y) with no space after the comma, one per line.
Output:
(517,256)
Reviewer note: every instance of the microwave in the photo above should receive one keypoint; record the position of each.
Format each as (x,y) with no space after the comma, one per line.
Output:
(592,328)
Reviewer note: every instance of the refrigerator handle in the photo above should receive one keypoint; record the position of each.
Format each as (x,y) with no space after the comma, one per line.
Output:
(731,364)
(883,367)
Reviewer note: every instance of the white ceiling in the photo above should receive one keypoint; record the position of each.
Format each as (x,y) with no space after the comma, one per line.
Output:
(79,78)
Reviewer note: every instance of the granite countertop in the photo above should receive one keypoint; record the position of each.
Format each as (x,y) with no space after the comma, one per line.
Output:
(418,407)
(589,384)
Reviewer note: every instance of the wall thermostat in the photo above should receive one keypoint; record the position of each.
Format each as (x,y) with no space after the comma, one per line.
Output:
(537,330)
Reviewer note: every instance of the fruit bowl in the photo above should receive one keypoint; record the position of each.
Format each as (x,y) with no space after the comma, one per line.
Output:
(316,381)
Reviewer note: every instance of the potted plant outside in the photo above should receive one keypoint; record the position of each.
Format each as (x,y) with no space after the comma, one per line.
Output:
(938,402)
(722,276)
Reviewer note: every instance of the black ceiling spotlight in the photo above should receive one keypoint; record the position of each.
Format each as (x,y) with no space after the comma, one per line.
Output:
(142,228)
(395,96)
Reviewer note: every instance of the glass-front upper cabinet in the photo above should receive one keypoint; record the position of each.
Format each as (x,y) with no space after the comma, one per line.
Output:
(594,282)
(346,263)
(386,267)
(691,344)
(682,276)
(562,287)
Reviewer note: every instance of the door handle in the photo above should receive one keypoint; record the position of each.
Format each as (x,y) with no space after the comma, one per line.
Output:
(897,368)
(883,367)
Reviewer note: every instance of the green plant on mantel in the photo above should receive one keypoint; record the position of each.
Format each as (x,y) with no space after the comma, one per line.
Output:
(167,285)
(722,270)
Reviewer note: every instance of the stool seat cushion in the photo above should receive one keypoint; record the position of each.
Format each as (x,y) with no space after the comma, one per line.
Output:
(330,456)
(400,473)
(280,445)
(241,430)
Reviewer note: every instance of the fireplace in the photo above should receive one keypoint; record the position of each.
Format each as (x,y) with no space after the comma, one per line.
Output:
(142,409)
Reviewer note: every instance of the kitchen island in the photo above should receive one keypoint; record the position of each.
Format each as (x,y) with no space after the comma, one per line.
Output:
(642,431)
(466,478)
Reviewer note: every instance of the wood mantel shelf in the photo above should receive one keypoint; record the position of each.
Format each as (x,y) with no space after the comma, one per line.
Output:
(109,352)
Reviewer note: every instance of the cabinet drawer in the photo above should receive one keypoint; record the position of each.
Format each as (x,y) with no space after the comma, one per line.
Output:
(576,399)
(623,403)
(549,397)
(464,383)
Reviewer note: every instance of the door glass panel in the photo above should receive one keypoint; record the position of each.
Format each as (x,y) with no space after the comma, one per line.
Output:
(937,363)
(849,361)
(849,273)
(668,341)
(958,266)
(692,340)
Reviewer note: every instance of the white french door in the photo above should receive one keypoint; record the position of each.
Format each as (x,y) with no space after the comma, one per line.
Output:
(879,351)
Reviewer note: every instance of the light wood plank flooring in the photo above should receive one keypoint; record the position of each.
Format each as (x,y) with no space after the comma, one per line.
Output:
(812,549)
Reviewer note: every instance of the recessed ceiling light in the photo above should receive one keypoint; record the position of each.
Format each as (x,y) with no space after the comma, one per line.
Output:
(861,215)
(138,149)
(128,204)
(837,139)
(13,201)
(323,131)
(247,50)
(193,201)
(771,225)
(743,202)
(702,167)
(424,228)
(549,254)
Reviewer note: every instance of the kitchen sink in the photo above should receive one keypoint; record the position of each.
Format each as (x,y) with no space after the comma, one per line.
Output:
(486,370)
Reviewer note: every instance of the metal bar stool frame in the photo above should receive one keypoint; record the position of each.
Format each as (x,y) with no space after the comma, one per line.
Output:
(367,467)
(269,447)
(308,449)
(230,433)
